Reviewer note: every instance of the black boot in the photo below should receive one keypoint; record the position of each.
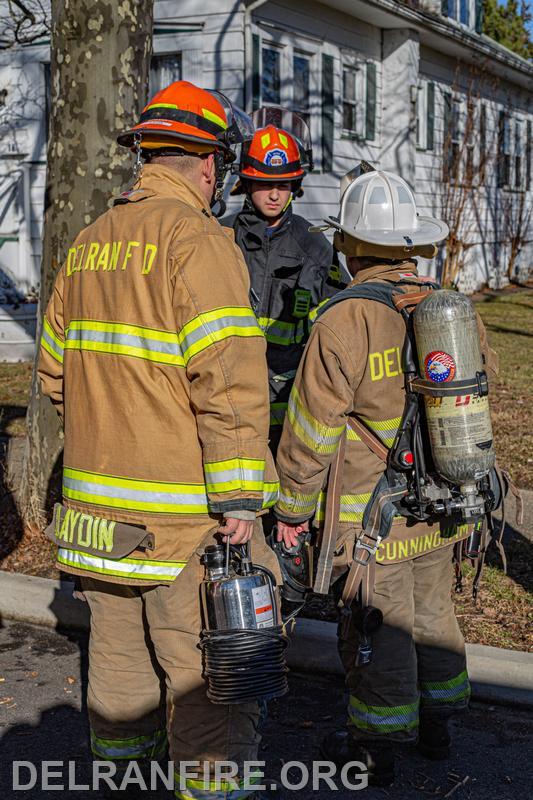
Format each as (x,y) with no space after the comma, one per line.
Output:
(434,737)
(340,748)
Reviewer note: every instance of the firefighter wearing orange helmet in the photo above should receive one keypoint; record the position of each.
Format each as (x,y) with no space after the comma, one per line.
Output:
(155,362)
(291,270)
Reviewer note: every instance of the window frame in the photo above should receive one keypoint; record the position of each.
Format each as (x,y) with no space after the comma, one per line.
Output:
(425,116)
(366,94)
(160,57)
(291,45)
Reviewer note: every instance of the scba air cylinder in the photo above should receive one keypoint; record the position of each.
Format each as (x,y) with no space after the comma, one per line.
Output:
(449,350)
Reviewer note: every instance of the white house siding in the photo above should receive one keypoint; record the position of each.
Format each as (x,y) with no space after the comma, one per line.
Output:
(317,30)
(22,169)
(486,260)
(209,37)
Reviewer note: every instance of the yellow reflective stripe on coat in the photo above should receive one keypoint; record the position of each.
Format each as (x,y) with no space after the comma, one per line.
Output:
(279,332)
(198,789)
(120,339)
(270,493)
(132,568)
(385,429)
(351,435)
(352,507)
(314,311)
(314,434)
(134,495)
(51,342)
(234,474)
(151,746)
(214,326)
(292,502)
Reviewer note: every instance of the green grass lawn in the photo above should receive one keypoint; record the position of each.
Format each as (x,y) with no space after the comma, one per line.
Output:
(508,318)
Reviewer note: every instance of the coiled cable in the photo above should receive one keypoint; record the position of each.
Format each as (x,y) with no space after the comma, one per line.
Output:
(241,666)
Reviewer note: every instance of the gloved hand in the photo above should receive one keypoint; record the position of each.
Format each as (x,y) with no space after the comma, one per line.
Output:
(289,532)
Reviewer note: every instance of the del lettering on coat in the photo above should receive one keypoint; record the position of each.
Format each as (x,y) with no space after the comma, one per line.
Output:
(111,257)
(387,364)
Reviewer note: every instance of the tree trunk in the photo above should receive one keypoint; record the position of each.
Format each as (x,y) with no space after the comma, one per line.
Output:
(100,61)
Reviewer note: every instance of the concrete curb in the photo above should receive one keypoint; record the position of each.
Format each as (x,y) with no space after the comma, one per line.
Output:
(498,676)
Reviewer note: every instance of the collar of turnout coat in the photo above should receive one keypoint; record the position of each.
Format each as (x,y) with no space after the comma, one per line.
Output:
(255,225)
(160,181)
(406,270)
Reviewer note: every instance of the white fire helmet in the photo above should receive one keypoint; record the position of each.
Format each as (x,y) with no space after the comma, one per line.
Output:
(378,208)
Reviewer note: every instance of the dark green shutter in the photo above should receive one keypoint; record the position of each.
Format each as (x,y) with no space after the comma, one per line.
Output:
(480,10)
(370,112)
(256,72)
(447,149)
(445,7)
(430,121)
(528,155)
(328,113)
(500,155)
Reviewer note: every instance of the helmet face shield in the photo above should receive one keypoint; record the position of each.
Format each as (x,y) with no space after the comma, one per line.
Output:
(291,123)
(240,126)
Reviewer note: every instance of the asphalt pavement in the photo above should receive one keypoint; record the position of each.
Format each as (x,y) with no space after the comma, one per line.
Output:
(42,687)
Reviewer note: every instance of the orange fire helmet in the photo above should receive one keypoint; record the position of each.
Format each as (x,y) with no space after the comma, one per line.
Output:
(181,112)
(272,155)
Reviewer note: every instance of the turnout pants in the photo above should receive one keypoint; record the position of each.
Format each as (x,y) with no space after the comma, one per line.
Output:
(418,663)
(146,689)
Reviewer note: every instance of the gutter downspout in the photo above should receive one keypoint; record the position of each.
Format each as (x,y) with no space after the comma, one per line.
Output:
(248,54)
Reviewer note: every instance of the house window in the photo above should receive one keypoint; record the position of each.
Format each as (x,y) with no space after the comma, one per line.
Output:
(504,150)
(349,100)
(164,69)
(425,116)
(359,99)
(464,11)
(270,77)
(452,138)
(301,89)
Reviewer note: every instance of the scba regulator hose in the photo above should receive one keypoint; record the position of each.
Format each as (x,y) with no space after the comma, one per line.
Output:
(241,666)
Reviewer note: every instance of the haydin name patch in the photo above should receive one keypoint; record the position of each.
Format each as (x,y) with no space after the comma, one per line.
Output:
(111,256)
(84,530)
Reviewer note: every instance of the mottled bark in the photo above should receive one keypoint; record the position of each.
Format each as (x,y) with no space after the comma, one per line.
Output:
(99,68)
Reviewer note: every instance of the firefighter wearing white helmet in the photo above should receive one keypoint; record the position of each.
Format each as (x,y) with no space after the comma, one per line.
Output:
(401,646)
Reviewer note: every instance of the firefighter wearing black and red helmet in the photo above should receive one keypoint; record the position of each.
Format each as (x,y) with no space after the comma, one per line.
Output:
(291,270)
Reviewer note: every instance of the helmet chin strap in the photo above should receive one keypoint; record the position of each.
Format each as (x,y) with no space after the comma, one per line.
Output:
(221,169)
(138,165)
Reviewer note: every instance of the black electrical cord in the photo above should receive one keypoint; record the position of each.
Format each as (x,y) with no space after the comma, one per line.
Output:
(241,666)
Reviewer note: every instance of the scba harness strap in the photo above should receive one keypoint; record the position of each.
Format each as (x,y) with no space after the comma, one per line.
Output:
(380,510)
(392,488)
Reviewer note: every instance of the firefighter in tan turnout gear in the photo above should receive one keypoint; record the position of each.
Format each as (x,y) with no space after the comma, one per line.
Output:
(349,393)
(155,362)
